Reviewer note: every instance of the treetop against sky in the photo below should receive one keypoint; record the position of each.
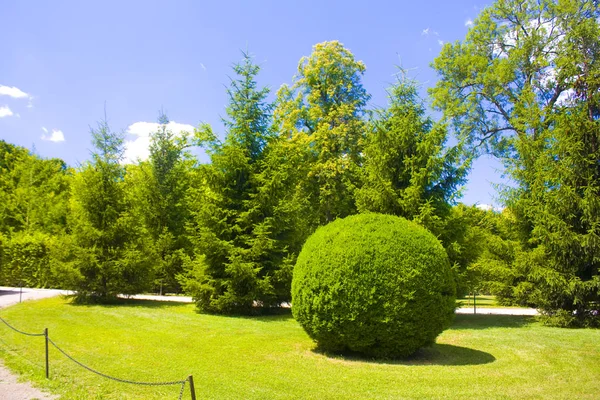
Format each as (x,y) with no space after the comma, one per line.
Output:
(63,62)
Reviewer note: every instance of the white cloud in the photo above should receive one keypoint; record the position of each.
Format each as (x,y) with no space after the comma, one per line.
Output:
(485,207)
(5,112)
(139,148)
(56,136)
(429,31)
(488,207)
(202,66)
(440,42)
(469,23)
(12,92)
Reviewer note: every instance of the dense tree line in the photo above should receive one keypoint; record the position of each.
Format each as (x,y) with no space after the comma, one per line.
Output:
(523,86)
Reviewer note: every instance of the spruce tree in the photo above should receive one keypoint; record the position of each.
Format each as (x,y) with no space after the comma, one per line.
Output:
(229,273)
(112,249)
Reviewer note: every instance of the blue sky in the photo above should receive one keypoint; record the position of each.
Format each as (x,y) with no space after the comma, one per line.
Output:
(62,61)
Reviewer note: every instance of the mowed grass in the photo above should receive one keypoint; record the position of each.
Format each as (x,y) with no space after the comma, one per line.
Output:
(479,357)
(483,301)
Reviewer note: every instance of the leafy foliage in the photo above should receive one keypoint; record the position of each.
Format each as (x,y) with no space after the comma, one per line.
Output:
(34,194)
(524,85)
(374,284)
(34,191)
(320,121)
(26,260)
(502,265)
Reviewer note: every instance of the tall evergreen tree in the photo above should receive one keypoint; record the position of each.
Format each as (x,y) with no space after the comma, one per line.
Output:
(158,189)
(408,170)
(112,254)
(229,273)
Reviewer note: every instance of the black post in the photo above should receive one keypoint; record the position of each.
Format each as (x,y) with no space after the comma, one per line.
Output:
(192,389)
(47,365)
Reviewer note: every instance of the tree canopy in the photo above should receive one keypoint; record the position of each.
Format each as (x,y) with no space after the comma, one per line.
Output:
(523,86)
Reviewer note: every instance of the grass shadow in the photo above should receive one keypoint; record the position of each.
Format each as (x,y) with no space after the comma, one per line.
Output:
(125,303)
(274,314)
(486,321)
(8,291)
(437,354)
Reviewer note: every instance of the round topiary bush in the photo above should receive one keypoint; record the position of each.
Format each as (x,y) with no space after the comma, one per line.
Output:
(374,284)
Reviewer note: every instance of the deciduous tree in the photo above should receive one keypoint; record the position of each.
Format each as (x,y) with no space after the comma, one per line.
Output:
(524,84)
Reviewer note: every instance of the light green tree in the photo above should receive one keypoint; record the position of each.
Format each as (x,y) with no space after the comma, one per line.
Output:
(34,191)
(321,126)
(33,211)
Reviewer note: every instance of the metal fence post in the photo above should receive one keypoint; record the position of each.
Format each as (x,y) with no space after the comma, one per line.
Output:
(47,364)
(192,389)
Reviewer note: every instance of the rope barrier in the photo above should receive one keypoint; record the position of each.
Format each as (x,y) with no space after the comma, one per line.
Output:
(21,332)
(112,377)
(182,382)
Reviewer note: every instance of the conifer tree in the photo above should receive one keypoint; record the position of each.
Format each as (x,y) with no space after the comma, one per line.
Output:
(112,250)
(229,273)
(158,189)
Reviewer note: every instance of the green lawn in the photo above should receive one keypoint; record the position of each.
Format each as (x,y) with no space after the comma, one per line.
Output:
(480,357)
(483,301)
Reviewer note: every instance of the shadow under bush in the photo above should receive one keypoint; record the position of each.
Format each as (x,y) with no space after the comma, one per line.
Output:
(437,354)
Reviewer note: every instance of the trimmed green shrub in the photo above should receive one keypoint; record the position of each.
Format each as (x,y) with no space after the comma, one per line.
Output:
(374,284)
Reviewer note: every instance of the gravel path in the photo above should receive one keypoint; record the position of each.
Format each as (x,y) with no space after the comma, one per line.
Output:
(498,311)
(10,387)
(11,295)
